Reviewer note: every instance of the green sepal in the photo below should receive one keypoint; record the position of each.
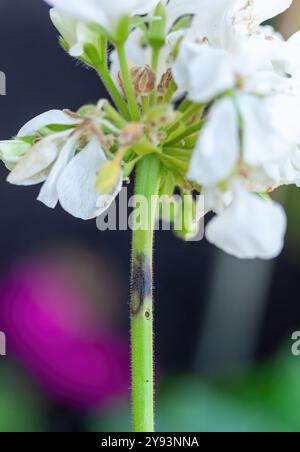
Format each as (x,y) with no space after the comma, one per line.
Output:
(91,55)
(157,28)
(95,53)
(63,43)
(28,140)
(184,22)
(129,167)
(122,31)
(176,48)
(86,110)
(54,128)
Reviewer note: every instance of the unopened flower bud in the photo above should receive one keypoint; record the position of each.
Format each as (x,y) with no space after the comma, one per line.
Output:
(144,81)
(165,82)
(133,70)
(108,177)
(186,225)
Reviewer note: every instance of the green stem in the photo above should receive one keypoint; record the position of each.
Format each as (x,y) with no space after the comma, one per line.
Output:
(135,114)
(114,116)
(147,185)
(169,94)
(185,118)
(154,66)
(112,90)
(145,103)
(184,105)
(155,58)
(195,128)
(191,111)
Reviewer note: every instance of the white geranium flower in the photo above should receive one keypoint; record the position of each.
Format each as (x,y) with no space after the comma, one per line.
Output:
(12,151)
(250,227)
(226,47)
(34,167)
(270,127)
(51,117)
(32,164)
(102,12)
(271,175)
(75,33)
(76,184)
(221,21)
(178,8)
(269,132)
(49,194)
(202,71)
(67,177)
(218,147)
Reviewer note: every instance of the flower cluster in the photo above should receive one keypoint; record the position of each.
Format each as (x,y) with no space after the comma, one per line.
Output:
(203,85)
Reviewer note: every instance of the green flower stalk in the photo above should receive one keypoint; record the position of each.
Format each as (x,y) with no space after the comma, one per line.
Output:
(203,101)
(142,307)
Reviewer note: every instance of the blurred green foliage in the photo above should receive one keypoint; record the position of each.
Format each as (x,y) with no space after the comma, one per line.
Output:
(21,408)
(267,400)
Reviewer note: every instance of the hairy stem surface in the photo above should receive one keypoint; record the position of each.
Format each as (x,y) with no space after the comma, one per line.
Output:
(147,185)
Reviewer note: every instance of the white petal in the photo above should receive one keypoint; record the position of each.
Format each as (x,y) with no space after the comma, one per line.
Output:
(76,186)
(89,10)
(251,227)
(203,71)
(30,170)
(222,22)
(266,9)
(144,6)
(48,194)
(217,149)
(52,117)
(65,24)
(177,8)
(275,174)
(103,12)
(270,127)
(77,50)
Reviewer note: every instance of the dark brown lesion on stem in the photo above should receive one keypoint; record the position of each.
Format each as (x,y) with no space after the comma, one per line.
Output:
(141,284)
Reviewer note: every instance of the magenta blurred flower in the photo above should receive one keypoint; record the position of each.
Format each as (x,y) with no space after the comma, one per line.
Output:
(50,328)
